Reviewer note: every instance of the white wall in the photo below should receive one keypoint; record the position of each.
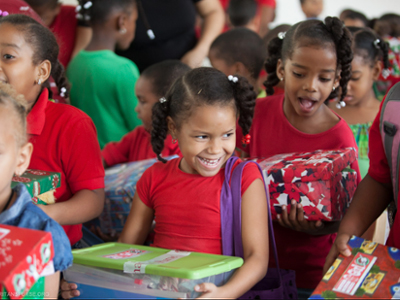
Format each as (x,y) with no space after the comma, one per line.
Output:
(289,11)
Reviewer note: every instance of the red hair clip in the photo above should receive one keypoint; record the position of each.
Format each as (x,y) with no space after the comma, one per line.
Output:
(246,139)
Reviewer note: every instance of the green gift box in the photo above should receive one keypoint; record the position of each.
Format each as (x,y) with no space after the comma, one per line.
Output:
(38,182)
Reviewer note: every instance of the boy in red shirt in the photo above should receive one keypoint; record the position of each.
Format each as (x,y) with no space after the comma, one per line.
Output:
(152,84)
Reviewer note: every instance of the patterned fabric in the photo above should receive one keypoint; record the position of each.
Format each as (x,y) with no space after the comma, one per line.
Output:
(361,133)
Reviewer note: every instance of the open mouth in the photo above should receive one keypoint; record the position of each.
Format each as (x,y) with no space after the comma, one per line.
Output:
(307,104)
(209,163)
(348,98)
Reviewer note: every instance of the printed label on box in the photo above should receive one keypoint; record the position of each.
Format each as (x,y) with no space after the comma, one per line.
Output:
(126,254)
(355,273)
(332,269)
(140,266)
(372,281)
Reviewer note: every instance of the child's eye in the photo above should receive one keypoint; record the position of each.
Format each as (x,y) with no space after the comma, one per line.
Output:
(323,79)
(354,79)
(201,137)
(227,135)
(297,74)
(8,56)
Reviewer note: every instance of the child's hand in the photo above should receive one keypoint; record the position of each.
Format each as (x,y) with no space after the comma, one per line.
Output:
(68,290)
(295,219)
(209,290)
(339,246)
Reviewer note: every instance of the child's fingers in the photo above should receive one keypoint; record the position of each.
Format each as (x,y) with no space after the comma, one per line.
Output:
(204,287)
(341,244)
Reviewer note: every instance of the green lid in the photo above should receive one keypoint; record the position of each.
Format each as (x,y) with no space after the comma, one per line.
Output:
(155,261)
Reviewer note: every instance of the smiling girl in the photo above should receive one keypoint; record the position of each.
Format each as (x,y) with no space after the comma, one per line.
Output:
(313,60)
(183,195)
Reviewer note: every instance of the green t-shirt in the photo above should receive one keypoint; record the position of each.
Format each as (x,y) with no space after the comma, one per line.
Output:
(361,134)
(103,86)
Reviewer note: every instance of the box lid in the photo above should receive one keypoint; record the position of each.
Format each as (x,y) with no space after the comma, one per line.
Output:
(307,166)
(24,255)
(121,179)
(38,182)
(156,261)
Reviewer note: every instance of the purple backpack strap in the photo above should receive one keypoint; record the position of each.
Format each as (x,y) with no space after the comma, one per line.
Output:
(232,216)
(226,208)
(389,127)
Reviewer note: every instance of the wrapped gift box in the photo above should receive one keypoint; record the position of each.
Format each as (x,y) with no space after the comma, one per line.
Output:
(318,180)
(120,187)
(24,255)
(38,183)
(116,270)
(372,272)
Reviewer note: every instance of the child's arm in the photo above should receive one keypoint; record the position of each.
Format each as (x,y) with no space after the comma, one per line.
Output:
(255,247)
(370,200)
(138,223)
(213,21)
(84,205)
(51,285)
(83,37)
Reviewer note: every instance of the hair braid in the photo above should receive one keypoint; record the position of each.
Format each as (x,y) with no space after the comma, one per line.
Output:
(385,53)
(245,99)
(343,42)
(61,81)
(274,54)
(159,129)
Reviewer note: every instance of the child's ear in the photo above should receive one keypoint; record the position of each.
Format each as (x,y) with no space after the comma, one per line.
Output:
(44,70)
(121,22)
(336,82)
(376,70)
(24,158)
(240,69)
(172,127)
(280,71)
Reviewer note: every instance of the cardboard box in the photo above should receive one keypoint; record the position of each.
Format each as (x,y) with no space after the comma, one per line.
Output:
(318,180)
(38,182)
(116,270)
(24,254)
(120,187)
(372,272)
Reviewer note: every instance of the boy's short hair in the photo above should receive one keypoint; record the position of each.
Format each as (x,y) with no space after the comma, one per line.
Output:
(164,74)
(355,15)
(241,12)
(99,12)
(240,45)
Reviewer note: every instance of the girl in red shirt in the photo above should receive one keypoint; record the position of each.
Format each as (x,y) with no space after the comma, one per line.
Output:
(63,137)
(183,195)
(152,84)
(313,60)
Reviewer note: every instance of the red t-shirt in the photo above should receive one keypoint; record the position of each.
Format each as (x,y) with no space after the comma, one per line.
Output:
(380,171)
(135,146)
(187,206)
(64,140)
(271,134)
(64,28)
(271,3)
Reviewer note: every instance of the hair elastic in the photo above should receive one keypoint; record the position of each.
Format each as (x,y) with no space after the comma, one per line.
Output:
(281,35)
(162,100)
(63,90)
(340,104)
(376,43)
(246,139)
(233,78)
(3,13)
(385,73)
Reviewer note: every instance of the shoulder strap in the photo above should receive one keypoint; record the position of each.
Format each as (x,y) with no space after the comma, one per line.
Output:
(226,209)
(389,127)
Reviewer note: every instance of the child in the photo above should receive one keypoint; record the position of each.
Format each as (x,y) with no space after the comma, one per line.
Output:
(243,13)
(64,138)
(200,112)
(239,51)
(313,60)
(103,82)
(372,197)
(361,104)
(16,206)
(152,84)
(312,8)
(72,34)
(353,18)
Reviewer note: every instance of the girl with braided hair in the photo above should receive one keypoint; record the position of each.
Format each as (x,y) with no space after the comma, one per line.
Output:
(370,55)
(63,137)
(200,112)
(313,60)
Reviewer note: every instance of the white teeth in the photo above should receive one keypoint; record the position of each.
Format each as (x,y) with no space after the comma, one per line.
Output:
(209,162)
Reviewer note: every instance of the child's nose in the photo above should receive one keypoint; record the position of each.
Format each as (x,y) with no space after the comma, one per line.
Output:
(310,84)
(215,146)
